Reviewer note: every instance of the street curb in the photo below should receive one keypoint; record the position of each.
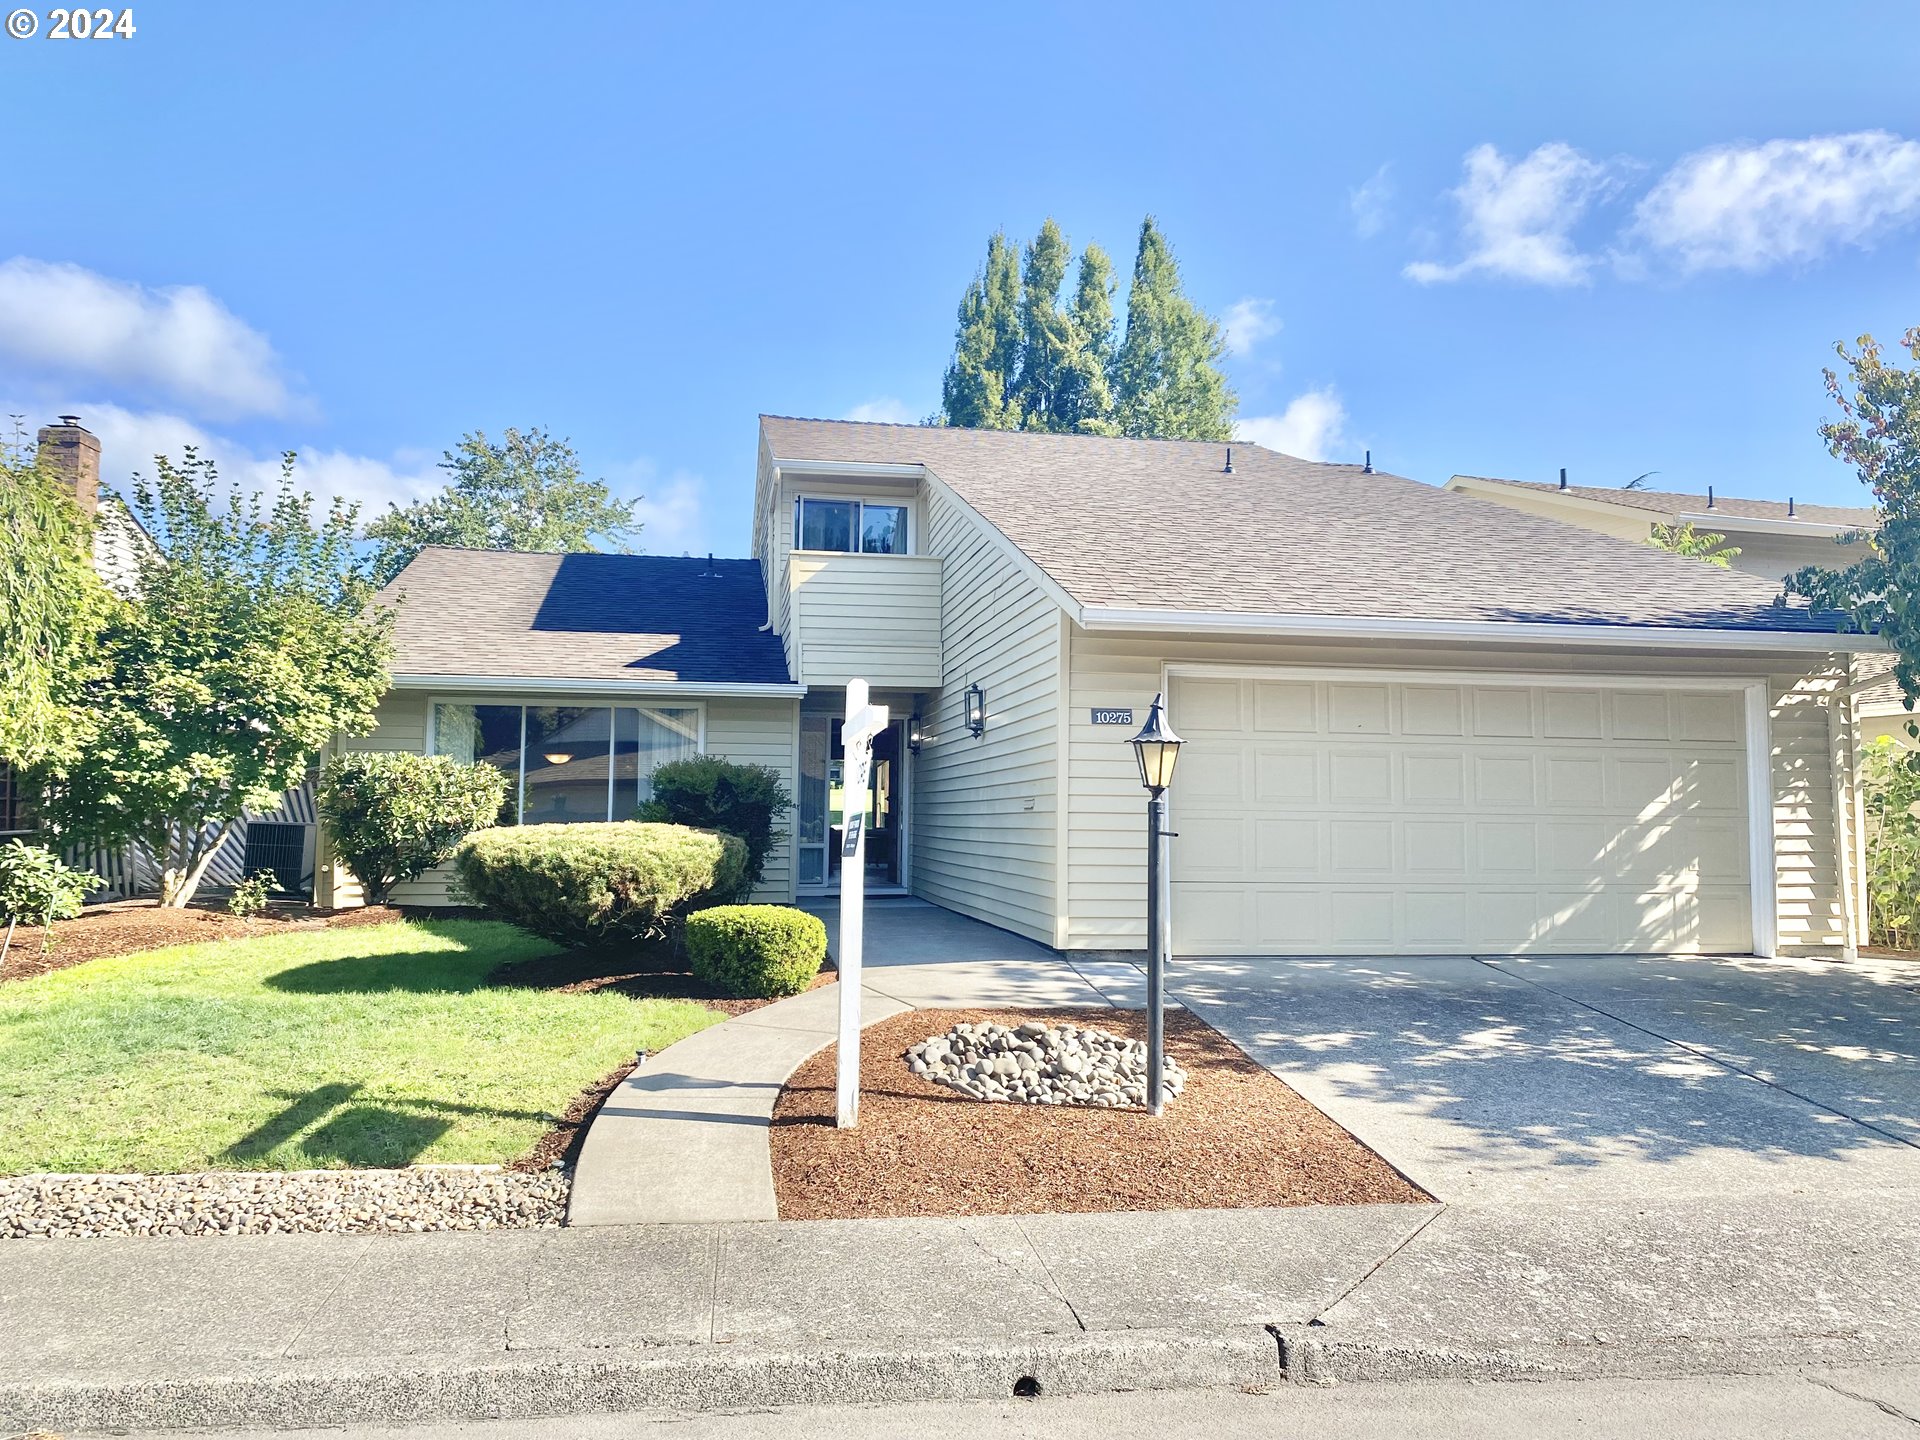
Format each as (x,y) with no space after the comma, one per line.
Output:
(292,1394)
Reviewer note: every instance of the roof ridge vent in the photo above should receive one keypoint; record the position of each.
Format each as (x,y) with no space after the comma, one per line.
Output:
(1563,477)
(1709,497)
(1367,467)
(1227,469)
(712,571)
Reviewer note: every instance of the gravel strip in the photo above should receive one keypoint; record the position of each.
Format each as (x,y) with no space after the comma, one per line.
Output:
(229,1202)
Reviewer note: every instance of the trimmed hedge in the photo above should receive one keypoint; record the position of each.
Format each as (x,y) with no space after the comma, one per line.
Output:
(582,883)
(756,951)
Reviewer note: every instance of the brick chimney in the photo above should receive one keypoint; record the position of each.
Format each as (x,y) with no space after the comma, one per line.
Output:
(72,452)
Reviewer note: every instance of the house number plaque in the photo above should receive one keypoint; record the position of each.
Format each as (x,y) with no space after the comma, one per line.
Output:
(1112,717)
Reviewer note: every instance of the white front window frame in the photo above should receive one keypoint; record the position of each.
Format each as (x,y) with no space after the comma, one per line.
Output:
(902,503)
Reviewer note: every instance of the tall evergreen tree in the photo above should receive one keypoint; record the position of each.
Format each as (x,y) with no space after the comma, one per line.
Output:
(1166,380)
(979,389)
(1047,339)
(1084,397)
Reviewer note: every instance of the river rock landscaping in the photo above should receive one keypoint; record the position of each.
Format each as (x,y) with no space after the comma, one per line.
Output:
(1039,1064)
(309,1202)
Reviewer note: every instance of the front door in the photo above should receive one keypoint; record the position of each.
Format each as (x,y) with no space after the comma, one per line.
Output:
(823,806)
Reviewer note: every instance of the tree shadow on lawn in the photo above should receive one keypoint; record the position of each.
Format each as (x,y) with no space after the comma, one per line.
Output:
(364,1134)
(640,970)
(1487,1070)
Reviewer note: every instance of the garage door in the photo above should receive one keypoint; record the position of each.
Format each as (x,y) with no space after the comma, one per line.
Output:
(1320,816)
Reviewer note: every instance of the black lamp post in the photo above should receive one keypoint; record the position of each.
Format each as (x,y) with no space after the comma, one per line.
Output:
(1157,748)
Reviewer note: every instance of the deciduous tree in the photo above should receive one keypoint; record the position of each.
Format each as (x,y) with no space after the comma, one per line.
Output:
(248,644)
(1683,539)
(522,492)
(979,389)
(1166,380)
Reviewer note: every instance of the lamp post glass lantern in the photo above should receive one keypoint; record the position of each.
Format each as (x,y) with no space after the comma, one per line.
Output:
(976,710)
(1157,749)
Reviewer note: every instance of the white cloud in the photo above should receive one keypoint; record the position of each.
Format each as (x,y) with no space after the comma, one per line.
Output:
(1517,216)
(1312,426)
(1247,323)
(1752,207)
(883,411)
(129,439)
(1370,204)
(178,341)
(672,508)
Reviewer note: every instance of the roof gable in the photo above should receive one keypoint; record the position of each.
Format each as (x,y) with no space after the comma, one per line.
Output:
(1670,503)
(1161,525)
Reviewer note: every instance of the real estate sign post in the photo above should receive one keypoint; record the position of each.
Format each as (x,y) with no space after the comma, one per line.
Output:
(863,722)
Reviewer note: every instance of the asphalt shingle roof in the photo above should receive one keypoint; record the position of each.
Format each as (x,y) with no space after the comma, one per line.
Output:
(1156,524)
(615,618)
(1675,502)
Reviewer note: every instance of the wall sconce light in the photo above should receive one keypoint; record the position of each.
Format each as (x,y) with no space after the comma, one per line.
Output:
(914,737)
(557,757)
(976,711)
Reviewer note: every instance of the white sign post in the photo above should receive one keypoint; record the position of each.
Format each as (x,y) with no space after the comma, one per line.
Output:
(863,722)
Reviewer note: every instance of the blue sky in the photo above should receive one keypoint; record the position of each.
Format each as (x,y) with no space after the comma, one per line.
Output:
(1494,239)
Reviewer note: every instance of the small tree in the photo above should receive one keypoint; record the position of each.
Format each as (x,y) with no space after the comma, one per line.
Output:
(52,606)
(524,492)
(710,792)
(1878,433)
(1683,539)
(248,646)
(394,816)
(37,888)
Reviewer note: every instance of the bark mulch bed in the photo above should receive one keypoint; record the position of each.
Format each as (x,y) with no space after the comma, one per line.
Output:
(127,926)
(646,971)
(1236,1137)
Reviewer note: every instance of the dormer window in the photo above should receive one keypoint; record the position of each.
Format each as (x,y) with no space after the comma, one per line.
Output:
(850,526)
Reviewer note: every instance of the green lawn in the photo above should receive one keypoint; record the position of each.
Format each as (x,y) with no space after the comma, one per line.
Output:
(374,1045)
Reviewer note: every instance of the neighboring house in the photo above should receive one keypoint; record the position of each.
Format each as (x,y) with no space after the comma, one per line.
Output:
(1415,723)
(280,840)
(1774,537)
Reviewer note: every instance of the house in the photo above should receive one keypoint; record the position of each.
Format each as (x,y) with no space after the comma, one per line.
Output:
(280,840)
(1415,723)
(1774,537)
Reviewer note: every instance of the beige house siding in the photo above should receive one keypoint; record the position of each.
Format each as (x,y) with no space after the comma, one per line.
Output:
(984,810)
(1105,825)
(876,617)
(750,730)
(1539,502)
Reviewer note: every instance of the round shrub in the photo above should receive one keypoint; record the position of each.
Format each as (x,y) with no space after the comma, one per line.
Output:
(393,816)
(582,883)
(711,792)
(756,951)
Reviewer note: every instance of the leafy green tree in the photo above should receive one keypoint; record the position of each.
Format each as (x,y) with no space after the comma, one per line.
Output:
(1047,339)
(1683,539)
(979,389)
(711,792)
(1166,380)
(52,606)
(248,645)
(1084,399)
(1878,433)
(522,492)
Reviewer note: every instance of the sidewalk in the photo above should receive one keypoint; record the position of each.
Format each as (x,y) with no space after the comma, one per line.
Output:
(340,1330)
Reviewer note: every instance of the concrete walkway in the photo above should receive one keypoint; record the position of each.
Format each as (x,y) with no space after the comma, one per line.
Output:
(685,1139)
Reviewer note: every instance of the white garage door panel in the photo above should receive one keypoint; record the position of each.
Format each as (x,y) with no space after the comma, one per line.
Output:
(1328,816)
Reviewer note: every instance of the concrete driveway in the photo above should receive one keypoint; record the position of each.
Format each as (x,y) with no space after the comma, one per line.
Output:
(1494,1078)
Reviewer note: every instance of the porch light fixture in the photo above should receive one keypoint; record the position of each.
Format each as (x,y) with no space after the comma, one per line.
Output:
(557,757)
(976,710)
(1157,748)
(914,737)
